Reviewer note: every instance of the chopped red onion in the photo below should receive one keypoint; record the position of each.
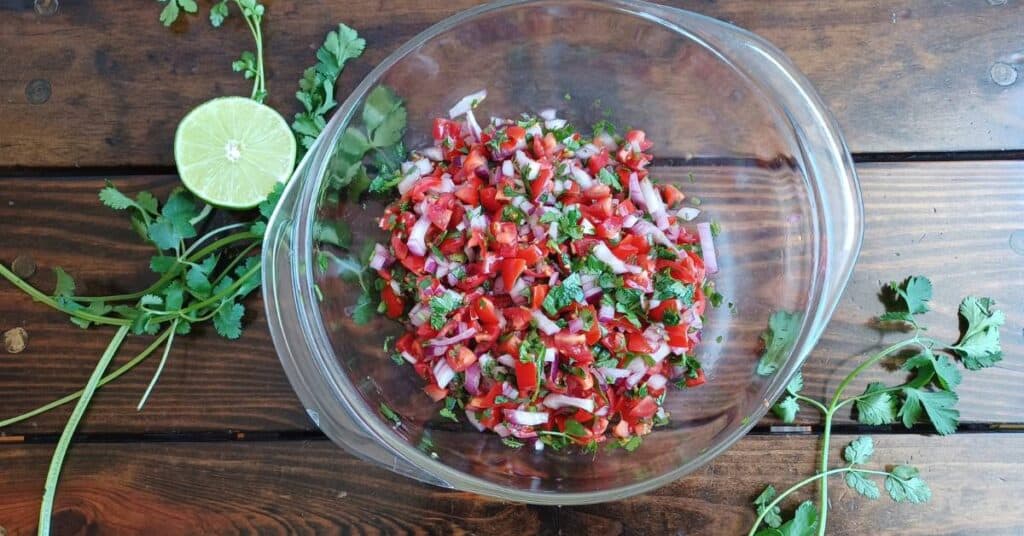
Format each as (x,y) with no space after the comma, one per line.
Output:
(507,360)
(692,319)
(529,167)
(434,351)
(655,205)
(657,381)
(576,325)
(614,373)
(553,369)
(526,418)
(418,237)
(433,153)
(660,352)
(534,131)
(419,314)
(582,177)
(518,290)
(646,228)
(554,124)
(707,247)
(423,165)
(443,373)
(606,256)
(410,177)
(474,127)
(448,341)
(601,411)
(592,291)
(634,379)
(637,364)
(544,323)
(629,221)
(688,213)
(557,401)
(548,114)
(508,390)
(673,232)
(636,194)
(473,379)
(587,151)
(467,103)
(409,358)
(605,140)
(549,355)
(522,432)
(381,258)
(553,280)
(471,417)
(501,430)
(606,312)
(507,169)
(430,265)
(447,186)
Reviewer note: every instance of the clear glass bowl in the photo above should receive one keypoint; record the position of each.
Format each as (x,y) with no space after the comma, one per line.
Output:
(766,158)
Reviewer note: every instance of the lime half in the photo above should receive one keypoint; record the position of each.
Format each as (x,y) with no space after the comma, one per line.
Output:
(231,151)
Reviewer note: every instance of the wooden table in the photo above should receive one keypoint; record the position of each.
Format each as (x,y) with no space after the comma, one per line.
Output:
(928,97)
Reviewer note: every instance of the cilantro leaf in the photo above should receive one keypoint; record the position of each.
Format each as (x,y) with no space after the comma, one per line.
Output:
(787,409)
(316,88)
(979,347)
(228,320)
(247,65)
(510,442)
(772,518)
(897,316)
(65,283)
(904,485)
(609,178)
(796,384)
(939,406)
(364,309)
(860,483)
(113,198)
(384,117)
(574,428)
(667,287)
(443,305)
(569,291)
(878,408)
(390,414)
(804,522)
(941,368)
(162,264)
(859,450)
(915,292)
(218,12)
(339,47)
(779,338)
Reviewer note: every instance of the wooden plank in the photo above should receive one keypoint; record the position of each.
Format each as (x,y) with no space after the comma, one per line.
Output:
(310,486)
(952,222)
(911,75)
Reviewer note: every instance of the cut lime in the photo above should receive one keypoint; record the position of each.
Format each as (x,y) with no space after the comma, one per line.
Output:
(231,151)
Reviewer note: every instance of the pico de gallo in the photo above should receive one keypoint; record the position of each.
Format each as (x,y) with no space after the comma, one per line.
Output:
(551,289)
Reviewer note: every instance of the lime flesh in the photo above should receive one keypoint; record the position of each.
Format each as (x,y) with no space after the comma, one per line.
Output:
(231,151)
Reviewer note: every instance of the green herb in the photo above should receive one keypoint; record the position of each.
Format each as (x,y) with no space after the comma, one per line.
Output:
(628,302)
(443,305)
(604,126)
(448,410)
(568,222)
(512,443)
(316,88)
(778,340)
(927,396)
(667,287)
(716,229)
(569,291)
(513,214)
(390,414)
(609,178)
(532,349)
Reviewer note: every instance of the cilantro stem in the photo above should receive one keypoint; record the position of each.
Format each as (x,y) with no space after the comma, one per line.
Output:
(176,270)
(823,475)
(160,367)
(106,379)
(50,488)
(866,364)
(812,402)
(195,244)
(234,262)
(826,439)
(38,296)
(212,299)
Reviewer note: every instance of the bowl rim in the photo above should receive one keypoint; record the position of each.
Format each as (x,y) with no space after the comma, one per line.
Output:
(313,327)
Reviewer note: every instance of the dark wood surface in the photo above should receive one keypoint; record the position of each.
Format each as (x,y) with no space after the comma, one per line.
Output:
(101,85)
(905,76)
(309,486)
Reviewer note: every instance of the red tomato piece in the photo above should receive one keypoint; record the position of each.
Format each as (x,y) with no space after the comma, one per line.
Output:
(484,309)
(435,393)
(635,342)
(460,358)
(526,376)
(511,269)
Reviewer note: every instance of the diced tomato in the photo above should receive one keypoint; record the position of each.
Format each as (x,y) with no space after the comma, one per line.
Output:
(698,381)
(460,358)
(516,138)
(672,195)
(643,408)
(609,228)
(473,160)
(537,295)
(469,191)
(399,247)
(597,162)
(484,309)
(453,244)
(511,269)
(598,210)
(509,344)
(487,400)
(504,232)
(422,187)
(445,128)
(658,313)
(614,341)
(440,212)
(635,342)
(488,198)
(677,336)
(598,192)
(621,429)
(542,183)
(517,317)
(531,254)
(526,376)
(413,263)
(435,393)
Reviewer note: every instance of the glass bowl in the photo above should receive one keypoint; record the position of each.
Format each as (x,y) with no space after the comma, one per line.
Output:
(734,124)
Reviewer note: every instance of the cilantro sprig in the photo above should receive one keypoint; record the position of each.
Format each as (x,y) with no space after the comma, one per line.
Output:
(316,89)
(927,396)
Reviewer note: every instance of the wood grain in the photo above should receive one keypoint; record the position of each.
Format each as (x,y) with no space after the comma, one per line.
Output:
(952,222)
(310,487)
(911,75)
